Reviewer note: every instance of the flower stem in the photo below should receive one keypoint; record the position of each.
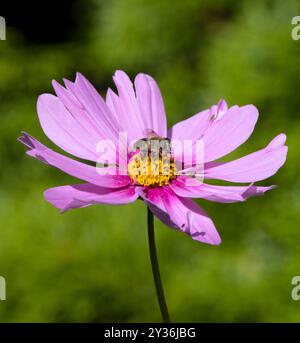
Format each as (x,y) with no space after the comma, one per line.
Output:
(155,269)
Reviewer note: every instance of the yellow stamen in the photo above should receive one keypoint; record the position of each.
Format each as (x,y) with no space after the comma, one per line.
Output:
(148,170)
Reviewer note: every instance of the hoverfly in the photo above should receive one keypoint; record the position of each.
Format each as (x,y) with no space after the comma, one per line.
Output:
(153,145)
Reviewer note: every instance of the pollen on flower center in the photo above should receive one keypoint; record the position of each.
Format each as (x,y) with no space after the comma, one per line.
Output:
(152,169)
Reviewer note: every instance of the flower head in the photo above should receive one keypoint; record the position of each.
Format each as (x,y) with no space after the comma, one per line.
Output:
(151,167)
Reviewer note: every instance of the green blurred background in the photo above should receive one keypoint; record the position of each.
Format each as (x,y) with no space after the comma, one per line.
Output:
(92,264)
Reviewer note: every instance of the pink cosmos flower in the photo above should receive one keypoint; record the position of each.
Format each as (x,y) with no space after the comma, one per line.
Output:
(77,118)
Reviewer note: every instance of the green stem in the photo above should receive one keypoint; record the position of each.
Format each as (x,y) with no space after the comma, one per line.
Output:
(155,269)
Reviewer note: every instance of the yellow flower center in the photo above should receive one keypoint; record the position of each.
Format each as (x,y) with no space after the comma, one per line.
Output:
(148,169)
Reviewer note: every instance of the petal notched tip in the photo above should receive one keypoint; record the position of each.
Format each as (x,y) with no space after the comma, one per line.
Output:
(120,73)
(33,147)
(57,86)
(29,141)
(25,139)
(222,106)
(253,190)
(80,78)
(68,84)
(120,76)
(277,142)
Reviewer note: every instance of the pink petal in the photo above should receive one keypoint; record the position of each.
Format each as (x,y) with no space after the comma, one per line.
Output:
(139,109)
(224,194)
(59,125)
(221,130)
(191,128)
(181,214)
(72,167)
(151,104)
(127,107)
(75,196)
(113,103)
(75,134)
(94,124)
(229,132)
(194,127)
(253,167)
(94,105)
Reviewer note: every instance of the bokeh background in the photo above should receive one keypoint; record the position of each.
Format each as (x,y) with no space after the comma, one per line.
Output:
(92,265)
